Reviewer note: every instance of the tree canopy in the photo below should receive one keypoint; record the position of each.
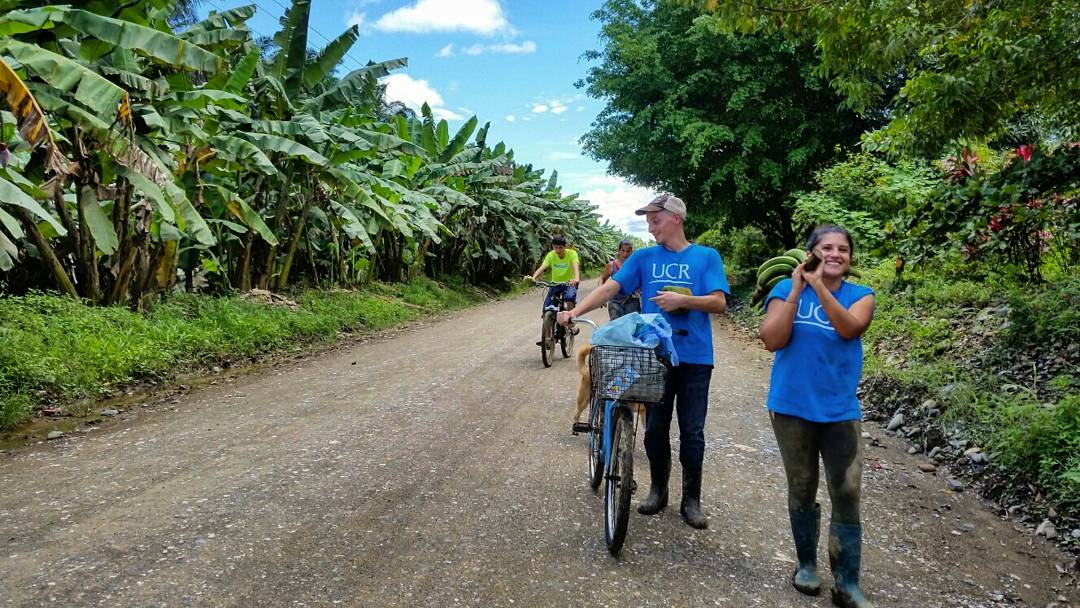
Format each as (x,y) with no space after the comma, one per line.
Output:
(732,123)
(947,70)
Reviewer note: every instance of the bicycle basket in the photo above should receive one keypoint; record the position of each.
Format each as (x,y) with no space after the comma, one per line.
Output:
(626,373)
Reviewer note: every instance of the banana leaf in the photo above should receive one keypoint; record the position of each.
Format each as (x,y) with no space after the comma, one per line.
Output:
(150,190)
(286,146)
(323,64)
(9,253)
(242,152)
(99,224)
(91,89)
(30,119)
(10,194)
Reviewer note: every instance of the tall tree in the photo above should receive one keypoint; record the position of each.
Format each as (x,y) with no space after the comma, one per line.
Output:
(731,123)
(969,70)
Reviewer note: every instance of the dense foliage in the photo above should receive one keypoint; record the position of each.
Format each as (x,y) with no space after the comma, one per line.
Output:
(732,124)
(135,154)
(946,70)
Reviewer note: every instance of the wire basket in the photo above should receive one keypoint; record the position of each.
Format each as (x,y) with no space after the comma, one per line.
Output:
(626,373)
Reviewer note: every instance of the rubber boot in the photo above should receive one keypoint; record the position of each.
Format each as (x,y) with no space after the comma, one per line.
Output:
(806,528)
(691,500)
(657,498)
(845,556)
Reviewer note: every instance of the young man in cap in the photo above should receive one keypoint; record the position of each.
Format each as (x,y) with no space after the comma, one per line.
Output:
(696,274)
(565,268)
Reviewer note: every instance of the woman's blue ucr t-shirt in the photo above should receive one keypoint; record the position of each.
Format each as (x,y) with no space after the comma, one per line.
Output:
(698,268)
(815,375)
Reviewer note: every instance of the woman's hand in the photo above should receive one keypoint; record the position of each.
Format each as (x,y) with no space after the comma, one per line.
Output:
(565,317)
(811,277)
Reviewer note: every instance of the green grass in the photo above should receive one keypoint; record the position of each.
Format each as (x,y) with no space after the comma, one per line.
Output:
(57,351)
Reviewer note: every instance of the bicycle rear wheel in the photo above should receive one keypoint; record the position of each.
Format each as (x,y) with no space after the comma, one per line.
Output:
(547,332)
(596,443)
(619,479)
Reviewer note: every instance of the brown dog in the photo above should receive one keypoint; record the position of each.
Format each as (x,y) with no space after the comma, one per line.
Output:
(584,392)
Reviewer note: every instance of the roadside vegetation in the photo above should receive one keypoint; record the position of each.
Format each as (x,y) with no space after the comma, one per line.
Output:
(956,166)
(59,352)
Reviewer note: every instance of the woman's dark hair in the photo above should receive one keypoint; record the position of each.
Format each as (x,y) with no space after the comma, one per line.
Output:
(821,231)
(624,243)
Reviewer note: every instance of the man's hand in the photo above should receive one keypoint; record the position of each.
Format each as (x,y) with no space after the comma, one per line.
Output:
(565,317)
(669,301)
(573,282)
(528,277)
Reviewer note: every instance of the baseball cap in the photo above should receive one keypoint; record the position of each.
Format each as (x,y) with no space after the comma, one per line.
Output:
(665,202)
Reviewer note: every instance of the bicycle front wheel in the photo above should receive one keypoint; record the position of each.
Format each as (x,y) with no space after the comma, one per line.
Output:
(567,343)
(547,346)
(619,479)
(596,443)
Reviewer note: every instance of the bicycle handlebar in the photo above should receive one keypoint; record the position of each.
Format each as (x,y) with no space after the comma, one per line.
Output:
(540,283)
(588,322)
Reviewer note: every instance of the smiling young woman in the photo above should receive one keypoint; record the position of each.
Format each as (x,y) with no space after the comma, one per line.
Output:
(814,323)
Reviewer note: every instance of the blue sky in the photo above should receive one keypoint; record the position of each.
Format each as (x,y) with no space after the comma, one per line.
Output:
(510,62)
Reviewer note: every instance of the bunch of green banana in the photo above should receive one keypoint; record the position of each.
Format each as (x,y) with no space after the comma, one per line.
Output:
(775,270)
(779,268)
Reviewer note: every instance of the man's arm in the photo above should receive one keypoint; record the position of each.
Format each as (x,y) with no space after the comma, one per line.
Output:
(577,272)
(597,297)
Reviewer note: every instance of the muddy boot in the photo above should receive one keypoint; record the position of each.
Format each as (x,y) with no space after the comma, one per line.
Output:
(657,498)
(691,500)
(806,528)
(845,555)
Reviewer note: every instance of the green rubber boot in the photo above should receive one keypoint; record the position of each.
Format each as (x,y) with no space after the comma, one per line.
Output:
(806,528)
(845,556)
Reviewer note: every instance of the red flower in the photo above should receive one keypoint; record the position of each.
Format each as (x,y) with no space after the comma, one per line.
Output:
(1025,151)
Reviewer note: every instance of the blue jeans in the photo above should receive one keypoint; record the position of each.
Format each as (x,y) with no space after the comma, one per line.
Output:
(687,393)
(569,294)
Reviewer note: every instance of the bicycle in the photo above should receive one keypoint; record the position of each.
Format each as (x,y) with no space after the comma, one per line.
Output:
(550,331)
(619,376)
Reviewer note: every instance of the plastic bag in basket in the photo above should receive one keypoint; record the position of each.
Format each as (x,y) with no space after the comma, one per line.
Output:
(642,330)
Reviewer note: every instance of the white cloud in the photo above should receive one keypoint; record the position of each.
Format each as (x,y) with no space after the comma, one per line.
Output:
(617,204)
(446,51)
(483,17)
(557,108)
(510,118)
(580,108)
(414,93)
(508,48)
(356,18)
(521,49)
(445,113)
(539,108)
(564,156)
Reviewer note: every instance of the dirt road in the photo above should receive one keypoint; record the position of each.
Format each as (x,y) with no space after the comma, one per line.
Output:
(435,467)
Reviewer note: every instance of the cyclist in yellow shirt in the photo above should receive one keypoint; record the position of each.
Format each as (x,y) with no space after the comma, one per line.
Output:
(565,268)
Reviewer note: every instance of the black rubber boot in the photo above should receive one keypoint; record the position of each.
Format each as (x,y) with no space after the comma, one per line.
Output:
(657,498)
(845,557)
(691,500)
(806,528)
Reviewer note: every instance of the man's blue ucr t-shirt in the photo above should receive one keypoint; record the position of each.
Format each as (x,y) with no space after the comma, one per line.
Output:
(815,375)
(697,268)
